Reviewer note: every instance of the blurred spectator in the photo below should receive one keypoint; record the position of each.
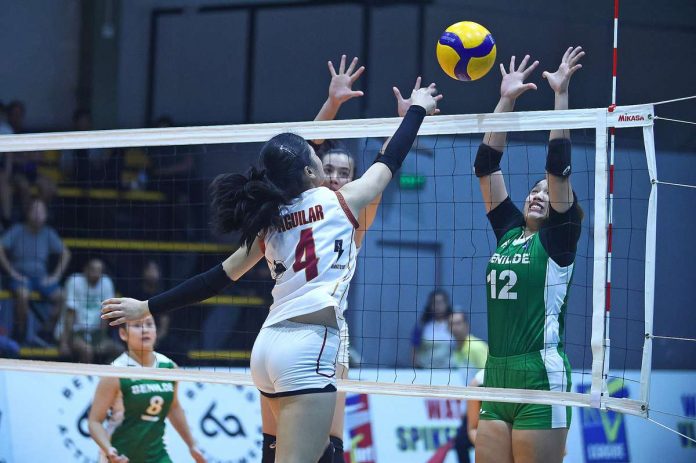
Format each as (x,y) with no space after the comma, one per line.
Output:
(431,337)
(470,354)
(21,170)
(89,166)
(151,285)
(82,332)
(29,246)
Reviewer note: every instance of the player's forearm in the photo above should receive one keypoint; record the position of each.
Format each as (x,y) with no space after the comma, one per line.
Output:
(328,112)
(560,103)
(497,140)
(178,419)
(100,436)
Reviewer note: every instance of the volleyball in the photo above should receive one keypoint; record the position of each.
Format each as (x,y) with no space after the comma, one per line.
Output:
(466,51)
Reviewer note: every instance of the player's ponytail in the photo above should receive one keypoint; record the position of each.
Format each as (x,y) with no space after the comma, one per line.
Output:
(251,203)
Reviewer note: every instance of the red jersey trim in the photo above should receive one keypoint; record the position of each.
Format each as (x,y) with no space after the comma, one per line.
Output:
(347,210)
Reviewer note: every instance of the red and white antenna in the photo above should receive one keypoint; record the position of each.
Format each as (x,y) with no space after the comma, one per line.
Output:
(610,229)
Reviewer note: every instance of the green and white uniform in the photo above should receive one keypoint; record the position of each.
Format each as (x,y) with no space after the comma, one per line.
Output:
(140,410)
(527,281)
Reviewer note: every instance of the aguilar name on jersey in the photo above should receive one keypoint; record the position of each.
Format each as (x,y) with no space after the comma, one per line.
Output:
(312,255)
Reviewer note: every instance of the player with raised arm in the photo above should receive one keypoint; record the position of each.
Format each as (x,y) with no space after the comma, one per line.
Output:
(286,216)
(528,280)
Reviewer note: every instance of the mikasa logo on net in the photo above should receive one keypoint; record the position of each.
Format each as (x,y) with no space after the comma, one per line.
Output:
(631,117)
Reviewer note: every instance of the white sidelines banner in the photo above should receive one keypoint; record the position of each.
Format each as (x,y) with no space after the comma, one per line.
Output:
(43,417)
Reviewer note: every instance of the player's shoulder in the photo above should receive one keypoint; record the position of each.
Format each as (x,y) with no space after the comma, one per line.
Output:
(163,361)
(123,360)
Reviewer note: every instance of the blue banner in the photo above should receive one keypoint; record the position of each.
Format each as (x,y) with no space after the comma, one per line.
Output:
(604,432)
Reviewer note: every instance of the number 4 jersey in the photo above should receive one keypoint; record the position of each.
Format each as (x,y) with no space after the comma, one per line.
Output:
(311,255)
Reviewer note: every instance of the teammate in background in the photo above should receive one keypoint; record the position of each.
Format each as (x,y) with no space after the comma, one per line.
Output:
(528,279)
(136,408)
(300,228)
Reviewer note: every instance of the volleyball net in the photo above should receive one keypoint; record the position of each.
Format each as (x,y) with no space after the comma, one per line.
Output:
(134,197)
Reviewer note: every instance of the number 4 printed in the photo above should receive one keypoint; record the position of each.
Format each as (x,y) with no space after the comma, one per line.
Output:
(305,255)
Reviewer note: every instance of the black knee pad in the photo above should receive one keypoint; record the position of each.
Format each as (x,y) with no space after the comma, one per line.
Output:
(338,449)
(268,450)
(328,455)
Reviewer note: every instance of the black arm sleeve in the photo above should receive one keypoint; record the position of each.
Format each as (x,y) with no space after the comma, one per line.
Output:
(504,217)
(403,139)
(196,289)
(560,234)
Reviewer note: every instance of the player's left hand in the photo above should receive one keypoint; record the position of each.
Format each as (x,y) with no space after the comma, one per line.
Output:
(119,310)
(559,80)
(197,455)
(341,86)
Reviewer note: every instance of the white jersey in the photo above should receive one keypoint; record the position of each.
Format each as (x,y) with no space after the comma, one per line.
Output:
(312,255)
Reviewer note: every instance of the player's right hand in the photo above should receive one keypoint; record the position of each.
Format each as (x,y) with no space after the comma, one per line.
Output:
(426,97)
(119,310)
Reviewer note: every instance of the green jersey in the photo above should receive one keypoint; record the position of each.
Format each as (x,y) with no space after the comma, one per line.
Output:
(527,289)
(146,403)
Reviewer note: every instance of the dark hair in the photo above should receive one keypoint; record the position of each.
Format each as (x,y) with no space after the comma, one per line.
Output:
(428,313)
(251,203)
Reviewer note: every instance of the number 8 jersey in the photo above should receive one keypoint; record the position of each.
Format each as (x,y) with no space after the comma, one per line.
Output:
(312,255)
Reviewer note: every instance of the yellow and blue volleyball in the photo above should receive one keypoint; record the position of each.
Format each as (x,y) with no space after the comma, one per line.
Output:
(466,51)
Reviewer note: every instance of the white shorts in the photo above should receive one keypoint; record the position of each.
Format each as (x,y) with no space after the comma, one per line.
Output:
(344,346)
(290,358)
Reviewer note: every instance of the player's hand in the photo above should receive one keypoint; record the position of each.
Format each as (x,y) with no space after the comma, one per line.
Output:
(559,80)
(403,104)
(341,86)
(114,457)
(119,310)
(426,97)
(197,455)
(513,84)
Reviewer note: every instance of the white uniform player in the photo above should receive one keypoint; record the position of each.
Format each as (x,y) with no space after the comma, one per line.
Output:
(312,258)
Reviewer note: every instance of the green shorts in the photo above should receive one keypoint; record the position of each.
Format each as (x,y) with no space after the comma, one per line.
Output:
(547,370)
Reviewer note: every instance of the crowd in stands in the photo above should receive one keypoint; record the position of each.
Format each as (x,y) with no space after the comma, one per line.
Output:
(50,293)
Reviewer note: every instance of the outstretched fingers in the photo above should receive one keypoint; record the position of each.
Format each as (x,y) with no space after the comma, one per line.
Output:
(357,74)
(352,65)
(530,69)
(342,66)
(332,70)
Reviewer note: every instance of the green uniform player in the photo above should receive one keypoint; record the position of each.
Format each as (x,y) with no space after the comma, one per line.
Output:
(527,292)
(527,283)
(136,408)
(146,403)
